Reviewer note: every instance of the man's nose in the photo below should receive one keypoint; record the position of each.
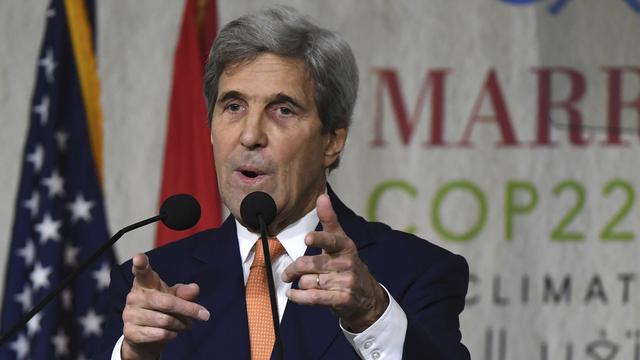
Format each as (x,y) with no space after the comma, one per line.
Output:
(253,133)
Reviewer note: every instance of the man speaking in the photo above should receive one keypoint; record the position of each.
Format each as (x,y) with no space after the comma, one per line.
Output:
(280,93)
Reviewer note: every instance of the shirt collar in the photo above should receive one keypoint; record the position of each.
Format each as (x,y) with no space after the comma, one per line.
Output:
(291,238)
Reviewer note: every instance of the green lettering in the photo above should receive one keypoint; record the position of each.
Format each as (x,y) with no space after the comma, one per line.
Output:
(437,204)
(512,208)
(383,187)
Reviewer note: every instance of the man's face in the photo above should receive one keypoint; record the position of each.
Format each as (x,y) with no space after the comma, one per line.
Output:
(267,136)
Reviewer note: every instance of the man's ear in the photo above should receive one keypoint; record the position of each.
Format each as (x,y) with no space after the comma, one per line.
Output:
(336,140)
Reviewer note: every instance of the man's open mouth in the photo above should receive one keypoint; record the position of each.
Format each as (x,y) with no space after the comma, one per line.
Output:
(250,174)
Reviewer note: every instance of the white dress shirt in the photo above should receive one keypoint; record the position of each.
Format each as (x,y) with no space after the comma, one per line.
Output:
(382,340)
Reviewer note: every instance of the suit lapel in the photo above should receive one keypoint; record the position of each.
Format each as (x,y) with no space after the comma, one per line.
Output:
(218,271)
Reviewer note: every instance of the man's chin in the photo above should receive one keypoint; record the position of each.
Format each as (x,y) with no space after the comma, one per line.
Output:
(234,198)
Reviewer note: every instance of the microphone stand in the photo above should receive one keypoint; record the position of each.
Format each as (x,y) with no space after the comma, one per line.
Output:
(272,287)
(74,274)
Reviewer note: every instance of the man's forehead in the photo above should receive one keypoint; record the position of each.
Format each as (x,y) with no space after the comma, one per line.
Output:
(272,72)
(265,59)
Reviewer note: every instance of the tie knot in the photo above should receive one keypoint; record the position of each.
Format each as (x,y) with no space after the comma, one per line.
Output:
(275,249)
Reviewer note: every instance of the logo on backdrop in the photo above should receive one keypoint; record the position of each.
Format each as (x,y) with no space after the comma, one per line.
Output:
(558,5)
(635,5)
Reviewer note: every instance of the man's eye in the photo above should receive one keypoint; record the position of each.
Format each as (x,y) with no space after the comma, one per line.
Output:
(285,111)
(234,107)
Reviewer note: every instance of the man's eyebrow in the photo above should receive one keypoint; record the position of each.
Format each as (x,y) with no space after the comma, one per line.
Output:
(281,97)
(232,94)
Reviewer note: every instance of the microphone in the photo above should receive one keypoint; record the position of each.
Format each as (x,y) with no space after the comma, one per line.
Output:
(178,212)
(255,205)
(258,210)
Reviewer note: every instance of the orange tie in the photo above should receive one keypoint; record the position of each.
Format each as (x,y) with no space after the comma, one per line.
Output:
(258,303)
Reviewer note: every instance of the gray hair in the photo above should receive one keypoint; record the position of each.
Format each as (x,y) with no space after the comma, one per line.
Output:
(284,31)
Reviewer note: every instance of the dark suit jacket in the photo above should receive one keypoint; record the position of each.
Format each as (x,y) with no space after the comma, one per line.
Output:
(427,281)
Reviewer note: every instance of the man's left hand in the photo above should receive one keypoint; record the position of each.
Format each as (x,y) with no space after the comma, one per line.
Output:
(337,277)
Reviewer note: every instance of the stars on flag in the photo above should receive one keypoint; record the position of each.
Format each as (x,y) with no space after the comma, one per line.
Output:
(48,229)
(61,139)
(91,323)
(42,109)
(80,209)
(28,252)
(20,347)
(25,298)
(60,344)
(103,276)
(32,204)
(49,65)
(33,326)
(55,184)
(71,255)
(67,298)
(40,276)
(36,158)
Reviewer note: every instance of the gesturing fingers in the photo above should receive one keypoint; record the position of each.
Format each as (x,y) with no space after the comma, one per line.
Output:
(327,216)
(155,313)
(137,335)
(187,292)
(329,281)
(329,242)
(317,264)
(150,318)
(318,297)
(144,276)
(168,304)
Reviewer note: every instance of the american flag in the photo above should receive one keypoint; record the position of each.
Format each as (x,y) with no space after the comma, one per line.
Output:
(59,213)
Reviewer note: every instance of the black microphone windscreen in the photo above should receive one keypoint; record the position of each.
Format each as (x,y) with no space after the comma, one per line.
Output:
(257,202)
(180,211)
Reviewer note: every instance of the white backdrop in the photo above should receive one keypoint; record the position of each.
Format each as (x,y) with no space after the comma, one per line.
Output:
(548,282)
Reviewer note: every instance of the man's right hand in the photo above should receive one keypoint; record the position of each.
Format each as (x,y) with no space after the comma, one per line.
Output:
(155,313)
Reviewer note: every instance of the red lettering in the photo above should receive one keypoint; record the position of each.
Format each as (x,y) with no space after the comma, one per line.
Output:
(546,105)
(434,84)
(500,114)
(616,104)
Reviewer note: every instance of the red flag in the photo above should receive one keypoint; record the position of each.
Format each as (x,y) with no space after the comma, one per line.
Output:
(188,158)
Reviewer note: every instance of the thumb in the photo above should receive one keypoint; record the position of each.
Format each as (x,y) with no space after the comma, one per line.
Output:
(327,216)
(144,276)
